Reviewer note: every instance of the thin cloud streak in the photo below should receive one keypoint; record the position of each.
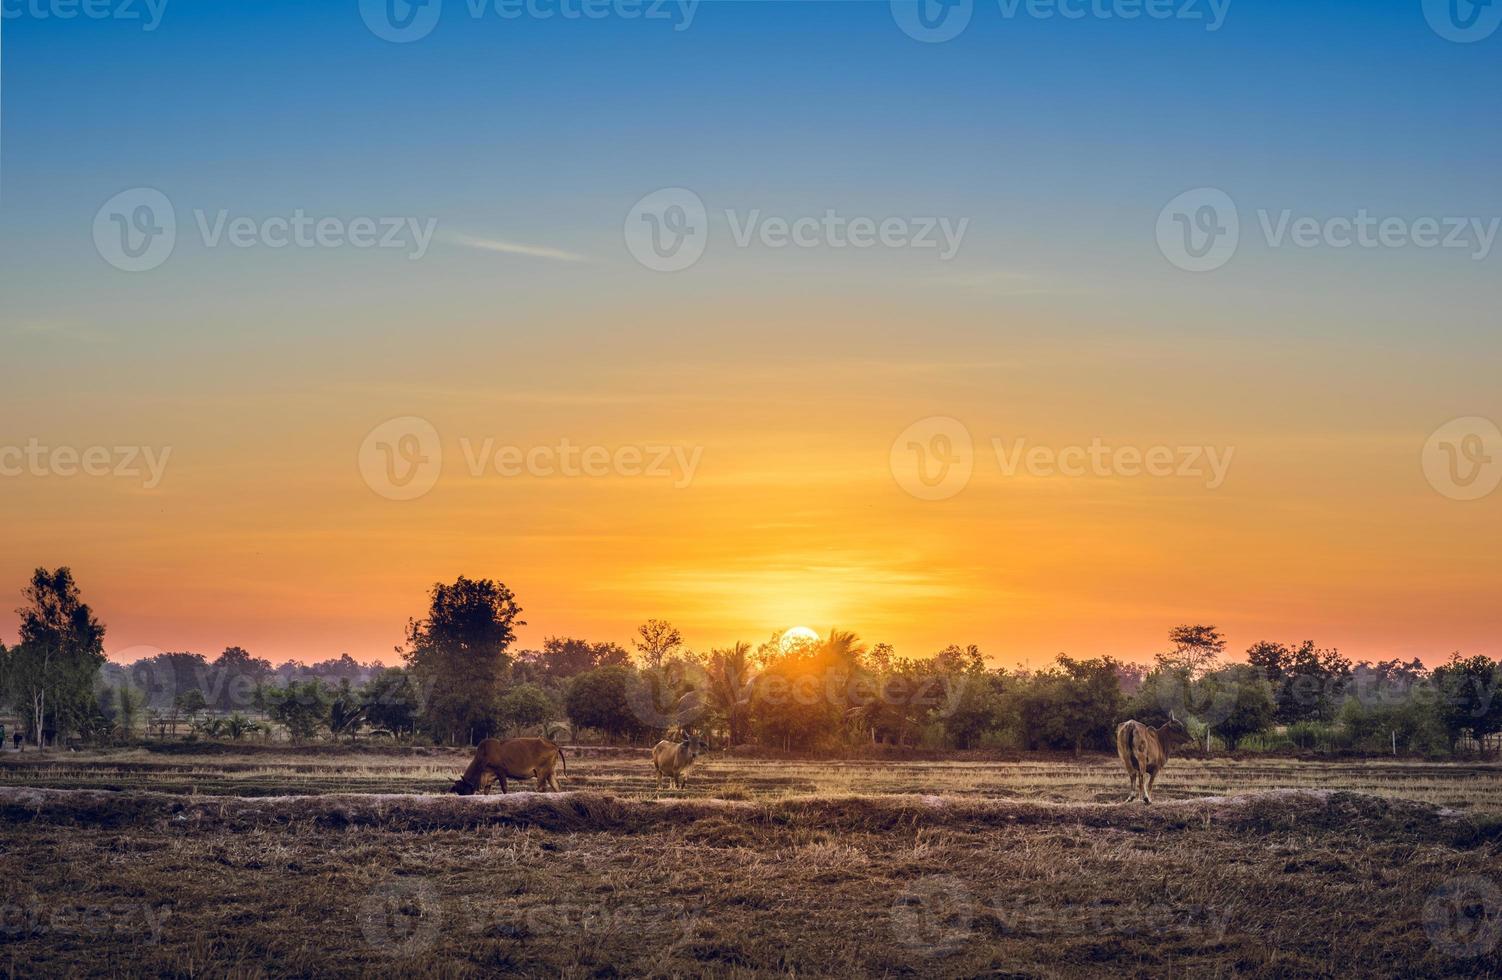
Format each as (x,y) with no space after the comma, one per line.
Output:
(516,248)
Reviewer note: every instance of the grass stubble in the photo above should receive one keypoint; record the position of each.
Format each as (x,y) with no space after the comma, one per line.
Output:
(608,881)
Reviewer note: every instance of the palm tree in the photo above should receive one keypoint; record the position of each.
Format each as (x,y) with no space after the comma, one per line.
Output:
(346,713)
(843,648)
(730,681)
(238,726)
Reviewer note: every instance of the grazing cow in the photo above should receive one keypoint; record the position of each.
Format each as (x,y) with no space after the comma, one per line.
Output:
(1144,751)
(515,758)
(672,759)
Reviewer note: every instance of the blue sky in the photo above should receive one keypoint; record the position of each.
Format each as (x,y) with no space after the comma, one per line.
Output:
(1059,139)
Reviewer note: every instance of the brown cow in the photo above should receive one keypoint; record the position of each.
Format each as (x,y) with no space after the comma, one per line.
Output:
(672,759)
(515,758)
(1144,751)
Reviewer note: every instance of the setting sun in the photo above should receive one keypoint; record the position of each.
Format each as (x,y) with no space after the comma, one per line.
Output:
(796,637)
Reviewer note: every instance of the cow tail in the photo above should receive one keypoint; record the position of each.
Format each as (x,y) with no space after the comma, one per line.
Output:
(1131,738)
(562,759)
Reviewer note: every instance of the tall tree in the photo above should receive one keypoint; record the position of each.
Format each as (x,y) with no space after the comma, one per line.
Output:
(1196,649)
(234,678)
(655,641)
(731,681)
(51,673)
(458,653)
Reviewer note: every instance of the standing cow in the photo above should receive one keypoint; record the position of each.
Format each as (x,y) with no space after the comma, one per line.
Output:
(1144,751)
(672,759)
(515,758)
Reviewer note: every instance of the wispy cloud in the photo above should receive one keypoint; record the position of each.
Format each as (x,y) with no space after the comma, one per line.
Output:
(55,330)
(516,248)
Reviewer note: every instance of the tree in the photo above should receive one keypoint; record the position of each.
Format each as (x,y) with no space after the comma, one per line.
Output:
(236,674)
(1308,683)
(655,641)
(346,711)
(898,698)
(392,701)
(1468,701)
(237,726)
(731,680)
(1386,724)
(302,706)
(459,652)
(1244,703)
(601,698)
(1195,649)
(801,696)
(1076,704)
(880,657)
(128,705)
(189,703)
(525,706)
(51,672)
(977,710)
(563,657)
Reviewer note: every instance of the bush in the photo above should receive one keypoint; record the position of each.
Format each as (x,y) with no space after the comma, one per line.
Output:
(1316,736)
(1414,726)
(524,706)
(601,699)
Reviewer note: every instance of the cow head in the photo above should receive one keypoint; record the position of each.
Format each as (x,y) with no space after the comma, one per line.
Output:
(1175,730)
(462,787)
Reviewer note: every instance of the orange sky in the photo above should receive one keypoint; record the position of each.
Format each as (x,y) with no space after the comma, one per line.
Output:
(263,532)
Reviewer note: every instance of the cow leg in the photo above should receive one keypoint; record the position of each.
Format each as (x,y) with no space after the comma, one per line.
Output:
(1133,776)
(1148,791)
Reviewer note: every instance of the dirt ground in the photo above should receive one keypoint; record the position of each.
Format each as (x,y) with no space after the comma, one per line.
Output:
(606,880)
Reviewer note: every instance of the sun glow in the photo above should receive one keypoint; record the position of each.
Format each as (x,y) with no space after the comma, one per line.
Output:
(796,637)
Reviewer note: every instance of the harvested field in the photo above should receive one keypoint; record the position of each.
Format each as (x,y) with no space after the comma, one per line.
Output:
(1094,778)
(610,882)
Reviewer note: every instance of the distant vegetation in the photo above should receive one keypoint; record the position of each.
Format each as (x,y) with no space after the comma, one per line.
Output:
(461,681)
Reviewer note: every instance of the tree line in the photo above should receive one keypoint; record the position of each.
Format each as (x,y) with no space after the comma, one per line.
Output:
(461,680)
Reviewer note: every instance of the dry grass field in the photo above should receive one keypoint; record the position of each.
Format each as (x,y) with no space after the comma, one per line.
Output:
(300,863)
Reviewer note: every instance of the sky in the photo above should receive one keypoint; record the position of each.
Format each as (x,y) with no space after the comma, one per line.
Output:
(748,314)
